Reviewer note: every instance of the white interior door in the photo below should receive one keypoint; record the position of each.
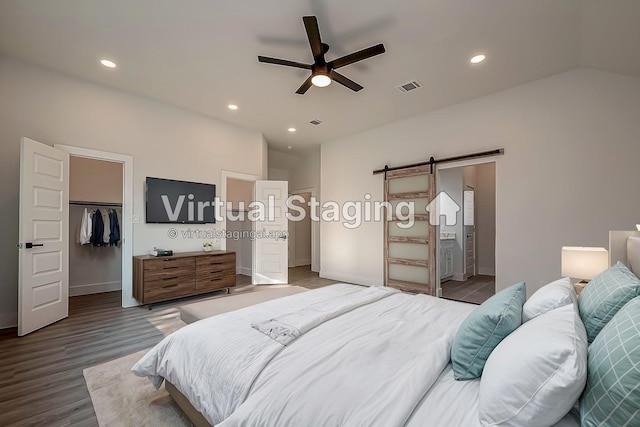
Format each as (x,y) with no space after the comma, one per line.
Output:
(43,288)
(270,248)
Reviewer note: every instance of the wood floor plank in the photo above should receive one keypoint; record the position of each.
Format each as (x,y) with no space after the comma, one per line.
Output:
(41,381)
(476,290)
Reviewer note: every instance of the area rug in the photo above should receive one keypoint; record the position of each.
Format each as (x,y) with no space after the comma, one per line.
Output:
(121,398)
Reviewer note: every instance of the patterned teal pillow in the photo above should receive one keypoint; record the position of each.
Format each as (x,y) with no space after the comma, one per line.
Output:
(604,296)
(483,330)
(612,395)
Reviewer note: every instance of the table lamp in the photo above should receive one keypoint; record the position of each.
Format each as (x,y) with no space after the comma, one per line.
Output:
(583,263)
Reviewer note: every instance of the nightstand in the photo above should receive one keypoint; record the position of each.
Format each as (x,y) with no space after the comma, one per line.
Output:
(579,286)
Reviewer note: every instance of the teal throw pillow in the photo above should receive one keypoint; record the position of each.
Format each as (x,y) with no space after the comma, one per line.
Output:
(483,330)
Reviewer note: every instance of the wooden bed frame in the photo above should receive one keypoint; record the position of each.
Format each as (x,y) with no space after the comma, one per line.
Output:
(196,418)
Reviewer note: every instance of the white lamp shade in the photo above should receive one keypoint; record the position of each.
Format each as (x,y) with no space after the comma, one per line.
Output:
(584,263)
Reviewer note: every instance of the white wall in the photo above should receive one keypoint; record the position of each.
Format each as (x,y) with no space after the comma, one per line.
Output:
(569,175)
(165,142)
(485,211)
(302,171)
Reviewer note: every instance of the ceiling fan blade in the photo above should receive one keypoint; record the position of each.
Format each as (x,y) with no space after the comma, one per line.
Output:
(305,86)
(345,81)
(357,56)
(284,62)
(313,33)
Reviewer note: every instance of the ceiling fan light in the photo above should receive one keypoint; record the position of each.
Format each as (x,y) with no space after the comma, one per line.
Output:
(321,80)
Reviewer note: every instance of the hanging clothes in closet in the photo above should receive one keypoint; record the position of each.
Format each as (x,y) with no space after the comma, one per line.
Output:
(97,232)
(114,226)
(84,235)
(99,227)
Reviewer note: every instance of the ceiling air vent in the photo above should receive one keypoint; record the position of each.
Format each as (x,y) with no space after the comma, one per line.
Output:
(315,122)
(408,87)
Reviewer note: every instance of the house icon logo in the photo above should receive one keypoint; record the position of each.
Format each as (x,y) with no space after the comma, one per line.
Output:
(443,205)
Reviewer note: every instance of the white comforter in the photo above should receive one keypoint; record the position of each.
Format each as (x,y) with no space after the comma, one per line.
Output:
(370,366)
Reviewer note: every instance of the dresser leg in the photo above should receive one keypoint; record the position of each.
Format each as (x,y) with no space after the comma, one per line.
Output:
(228,291)
(149,306)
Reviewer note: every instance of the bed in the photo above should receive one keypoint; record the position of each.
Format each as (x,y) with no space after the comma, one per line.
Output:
(347,355)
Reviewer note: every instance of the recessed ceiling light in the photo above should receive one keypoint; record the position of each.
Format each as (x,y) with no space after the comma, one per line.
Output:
(232,107)
(477,59)
(291,129)
(289,147)
(107,63)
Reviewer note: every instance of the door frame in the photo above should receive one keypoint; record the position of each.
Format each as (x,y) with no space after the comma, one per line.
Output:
(255,272)
(223,197)
(461,164)
(127,211)
(315,231)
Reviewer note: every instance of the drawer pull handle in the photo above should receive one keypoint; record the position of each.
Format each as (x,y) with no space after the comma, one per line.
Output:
(216,271)
(169,259)
(170,286)
(170,267)
(170,278)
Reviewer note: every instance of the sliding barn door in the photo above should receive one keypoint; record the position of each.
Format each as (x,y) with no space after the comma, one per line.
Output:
(410,251)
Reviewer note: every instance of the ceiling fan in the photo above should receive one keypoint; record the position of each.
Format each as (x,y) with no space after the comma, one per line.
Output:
(323,72)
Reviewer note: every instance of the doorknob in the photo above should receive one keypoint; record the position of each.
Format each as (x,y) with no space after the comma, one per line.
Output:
(30,245)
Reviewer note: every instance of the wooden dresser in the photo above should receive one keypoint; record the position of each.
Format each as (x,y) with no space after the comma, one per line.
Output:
(158,279)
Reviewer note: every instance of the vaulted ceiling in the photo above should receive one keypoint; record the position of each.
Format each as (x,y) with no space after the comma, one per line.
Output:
(201,55)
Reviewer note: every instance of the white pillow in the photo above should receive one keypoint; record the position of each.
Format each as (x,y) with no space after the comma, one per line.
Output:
(536,374)
(555,294)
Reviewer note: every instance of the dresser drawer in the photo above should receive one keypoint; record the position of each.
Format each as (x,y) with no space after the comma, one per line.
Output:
(219,280)
(205,271)
(169,281)
(165,290)
(163,263)
(203,261)
(161,269)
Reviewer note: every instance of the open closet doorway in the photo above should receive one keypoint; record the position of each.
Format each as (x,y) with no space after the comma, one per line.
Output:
(300,231)
(101,180)
(237,192)
(466,255)
(95,222)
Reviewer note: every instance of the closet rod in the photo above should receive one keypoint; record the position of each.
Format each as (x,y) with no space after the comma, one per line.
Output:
(496,152)
(103,205)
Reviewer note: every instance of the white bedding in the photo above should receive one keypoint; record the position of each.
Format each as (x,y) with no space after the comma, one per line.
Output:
(388,353)
(214,362)
(384,363)
(451,403)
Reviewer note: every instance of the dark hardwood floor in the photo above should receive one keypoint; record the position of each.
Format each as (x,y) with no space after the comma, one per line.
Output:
(476,290)
(41,382)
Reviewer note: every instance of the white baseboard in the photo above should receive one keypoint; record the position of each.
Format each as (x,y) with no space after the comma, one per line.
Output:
(94,288)
(459,277)
(8,320)
(350,278)
(488,271)
(243,270)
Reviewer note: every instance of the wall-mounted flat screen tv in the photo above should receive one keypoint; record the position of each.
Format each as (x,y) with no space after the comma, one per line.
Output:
(179,202)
